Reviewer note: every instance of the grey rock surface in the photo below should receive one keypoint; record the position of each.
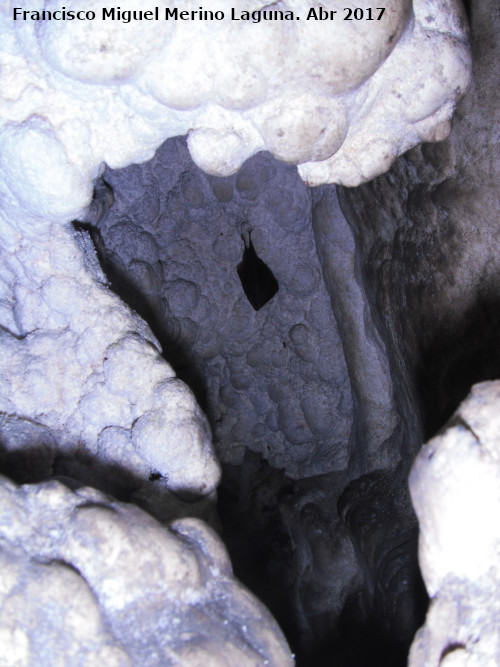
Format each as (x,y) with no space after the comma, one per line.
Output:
(377,511)
(288,543)
(302,395)
(87,580)
(379,429)
(273,380)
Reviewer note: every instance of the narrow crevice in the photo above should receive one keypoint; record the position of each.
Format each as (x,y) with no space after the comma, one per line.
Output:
(257,279)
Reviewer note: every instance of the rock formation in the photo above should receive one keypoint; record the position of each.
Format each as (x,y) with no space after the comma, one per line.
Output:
(178,307)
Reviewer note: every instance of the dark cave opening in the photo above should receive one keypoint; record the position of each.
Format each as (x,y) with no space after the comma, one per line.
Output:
(257,279)
(456,358)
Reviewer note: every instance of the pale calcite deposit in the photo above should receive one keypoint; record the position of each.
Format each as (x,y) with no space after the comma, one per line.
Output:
(86,580)
(455,488)
(76,360)
(342,98)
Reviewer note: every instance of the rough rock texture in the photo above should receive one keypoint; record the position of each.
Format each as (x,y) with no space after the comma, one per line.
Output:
(274,380)
(82,92)
(84,388)
(76,94)
(382,433)
(289,545)
(427,236)
(86,580)
(377,511)
(332,564)
(455,488)
(75,361)
(171,240)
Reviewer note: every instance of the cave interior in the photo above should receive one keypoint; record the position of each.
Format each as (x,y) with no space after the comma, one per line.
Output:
(326,333)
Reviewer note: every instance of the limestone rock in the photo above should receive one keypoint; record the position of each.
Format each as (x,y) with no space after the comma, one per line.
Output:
(274,380)
(77,362)
(427,238)
(86,579)
(455,488)
(337,95)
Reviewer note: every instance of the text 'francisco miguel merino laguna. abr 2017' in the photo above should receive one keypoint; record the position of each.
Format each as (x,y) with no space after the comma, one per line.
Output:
(200,14)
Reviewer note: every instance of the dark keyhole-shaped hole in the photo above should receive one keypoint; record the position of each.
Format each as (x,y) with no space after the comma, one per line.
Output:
(257,279)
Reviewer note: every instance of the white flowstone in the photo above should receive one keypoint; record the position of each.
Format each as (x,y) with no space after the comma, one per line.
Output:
(455,489)
(342,98)
(79,362)
(85,580)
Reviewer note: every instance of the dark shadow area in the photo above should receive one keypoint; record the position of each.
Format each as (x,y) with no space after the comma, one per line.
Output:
(455,359)
(468,5)
(257,279)
(377,511)
(258,543)
(286,546)
(31,457)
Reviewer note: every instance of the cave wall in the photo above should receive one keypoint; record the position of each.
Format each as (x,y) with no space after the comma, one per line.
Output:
(427,235)
(300,393)
(272,380)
